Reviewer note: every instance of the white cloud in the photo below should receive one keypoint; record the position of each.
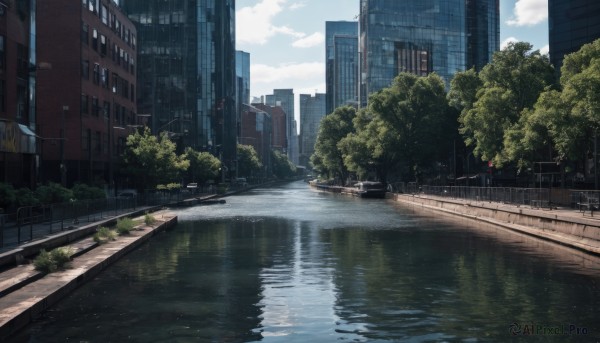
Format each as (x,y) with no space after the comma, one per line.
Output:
(545,50)
(287,73)
(315,39)
(297,5)
(504,44)
(529,13)
(254,25)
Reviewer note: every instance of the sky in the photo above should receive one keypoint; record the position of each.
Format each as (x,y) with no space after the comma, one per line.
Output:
(286,38)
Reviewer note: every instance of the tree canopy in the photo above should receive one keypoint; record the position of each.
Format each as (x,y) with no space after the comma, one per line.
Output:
(248,161)
(152,160)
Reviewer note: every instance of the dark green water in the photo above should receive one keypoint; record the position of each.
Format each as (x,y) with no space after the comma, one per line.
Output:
(294,265)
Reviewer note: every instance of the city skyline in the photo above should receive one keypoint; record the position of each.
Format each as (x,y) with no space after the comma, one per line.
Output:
(286,38)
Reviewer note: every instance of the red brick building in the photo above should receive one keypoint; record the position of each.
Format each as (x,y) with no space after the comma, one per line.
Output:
(278,124)
(86,89)
(256,130)
(17,119)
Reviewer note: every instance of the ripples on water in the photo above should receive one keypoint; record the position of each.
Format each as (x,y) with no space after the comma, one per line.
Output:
(295,265)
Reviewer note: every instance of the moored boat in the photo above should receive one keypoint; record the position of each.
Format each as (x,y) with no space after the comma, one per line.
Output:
(368,189)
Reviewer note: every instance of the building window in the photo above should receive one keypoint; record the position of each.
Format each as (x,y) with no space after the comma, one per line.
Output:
(133,41)
(95,106)
(104,78)
(103,45)
(124,88)
(132,65)
(84,104)
(95,39)
(106,109)
(105,144)
(117,113)
(104,15)
(132,92)
(96,73)
(85,70)
(91,5)
(84,3)
(115,83)
(127,36)
(85,32)
(21,101)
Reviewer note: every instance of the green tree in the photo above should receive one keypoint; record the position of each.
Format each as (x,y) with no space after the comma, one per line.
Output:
(203,166)
(282,166)
(511,83)
(248,161)
(563,123)
(85,192)
(411,125)
(328,158)
(152,160)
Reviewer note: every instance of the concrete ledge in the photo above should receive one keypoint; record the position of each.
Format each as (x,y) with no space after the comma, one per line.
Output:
(570,230)
(20,307)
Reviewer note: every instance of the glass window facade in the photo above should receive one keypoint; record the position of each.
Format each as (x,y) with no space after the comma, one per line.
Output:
(572,23)
(424,36)
(341,52)
(312,110)
(187,72)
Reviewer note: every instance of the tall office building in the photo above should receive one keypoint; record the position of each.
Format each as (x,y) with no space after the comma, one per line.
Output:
(86,88)
(187,72)
(285,99)
(425,36)
(17,93)
(572,23)
(341,56)
(242,89)
(312,110)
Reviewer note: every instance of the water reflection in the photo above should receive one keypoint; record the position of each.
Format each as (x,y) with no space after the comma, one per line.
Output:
(294,265)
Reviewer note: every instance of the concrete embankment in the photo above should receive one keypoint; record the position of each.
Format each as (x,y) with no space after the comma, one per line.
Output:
(565,226)
(20,304)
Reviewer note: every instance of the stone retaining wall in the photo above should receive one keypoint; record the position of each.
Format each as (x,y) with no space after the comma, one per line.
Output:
(578,232)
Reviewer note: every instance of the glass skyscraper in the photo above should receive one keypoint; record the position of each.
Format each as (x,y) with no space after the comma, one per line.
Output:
(341,56)
(572,23)
(425,36)
(312,110)
(242,92)
(187,72)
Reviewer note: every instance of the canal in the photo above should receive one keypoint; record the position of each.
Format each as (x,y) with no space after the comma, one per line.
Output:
(291,264)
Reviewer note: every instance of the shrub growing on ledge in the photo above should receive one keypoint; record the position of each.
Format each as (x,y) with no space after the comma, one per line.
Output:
(104,235)
(48,262)
(149,219)
(124,226)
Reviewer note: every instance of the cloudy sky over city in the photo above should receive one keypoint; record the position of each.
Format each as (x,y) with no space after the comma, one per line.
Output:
(286,38)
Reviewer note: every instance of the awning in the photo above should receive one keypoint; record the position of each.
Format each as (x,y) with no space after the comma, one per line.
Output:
(16,138)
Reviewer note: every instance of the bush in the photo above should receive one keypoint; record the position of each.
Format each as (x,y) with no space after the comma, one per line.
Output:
(48,262)
(7,195)
(149,219)
(85,192)
(26,197)
(54,193)
(124,226)
(104,235)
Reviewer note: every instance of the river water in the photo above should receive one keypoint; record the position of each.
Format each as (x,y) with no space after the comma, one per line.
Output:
(292,264)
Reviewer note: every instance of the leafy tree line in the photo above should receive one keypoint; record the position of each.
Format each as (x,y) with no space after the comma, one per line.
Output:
(512,113)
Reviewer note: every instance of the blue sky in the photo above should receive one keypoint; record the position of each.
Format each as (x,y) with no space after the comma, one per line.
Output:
(286,38)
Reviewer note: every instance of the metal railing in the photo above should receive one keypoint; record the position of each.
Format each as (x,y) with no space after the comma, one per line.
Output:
(534,197)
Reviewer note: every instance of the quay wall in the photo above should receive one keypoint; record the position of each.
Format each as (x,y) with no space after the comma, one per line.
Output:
(566,227)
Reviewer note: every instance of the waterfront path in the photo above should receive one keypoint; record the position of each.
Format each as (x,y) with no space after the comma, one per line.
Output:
(25,293)
(566,226)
